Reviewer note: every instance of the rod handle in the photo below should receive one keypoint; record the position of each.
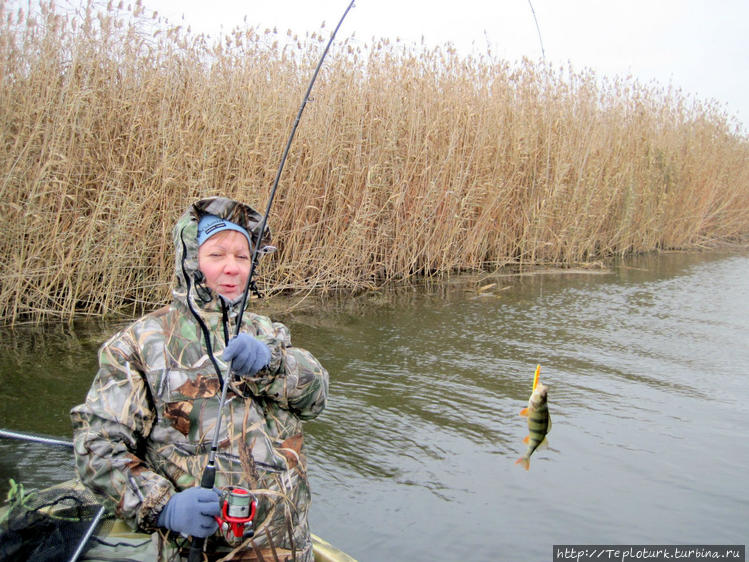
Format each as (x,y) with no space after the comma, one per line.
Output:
(196,550)
(206,481)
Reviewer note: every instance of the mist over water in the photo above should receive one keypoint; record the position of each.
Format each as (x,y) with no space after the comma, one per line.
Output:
(414,457)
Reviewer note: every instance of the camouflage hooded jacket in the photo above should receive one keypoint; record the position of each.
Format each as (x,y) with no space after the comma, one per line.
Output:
(146,427)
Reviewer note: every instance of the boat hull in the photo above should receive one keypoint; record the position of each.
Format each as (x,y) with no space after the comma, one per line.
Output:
(113,539)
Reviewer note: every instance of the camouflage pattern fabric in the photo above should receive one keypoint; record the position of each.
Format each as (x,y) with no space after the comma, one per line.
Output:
(146,427)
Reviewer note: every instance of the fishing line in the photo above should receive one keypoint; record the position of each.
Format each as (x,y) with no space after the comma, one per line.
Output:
(543,54)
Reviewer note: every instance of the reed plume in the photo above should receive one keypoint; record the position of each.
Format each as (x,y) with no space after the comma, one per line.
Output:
(408,162)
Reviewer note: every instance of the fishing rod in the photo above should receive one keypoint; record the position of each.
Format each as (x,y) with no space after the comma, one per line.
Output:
(208,479)
(255,252)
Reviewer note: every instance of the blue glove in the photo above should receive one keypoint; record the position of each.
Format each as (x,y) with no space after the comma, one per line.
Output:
(191,512)
(247,354)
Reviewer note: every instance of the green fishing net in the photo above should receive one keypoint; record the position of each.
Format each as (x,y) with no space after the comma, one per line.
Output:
(45,525)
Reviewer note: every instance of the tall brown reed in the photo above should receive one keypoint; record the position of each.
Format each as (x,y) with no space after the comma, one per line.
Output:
(409,161)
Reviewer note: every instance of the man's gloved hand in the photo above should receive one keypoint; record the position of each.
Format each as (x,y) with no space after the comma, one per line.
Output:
(247,354)
(191,512)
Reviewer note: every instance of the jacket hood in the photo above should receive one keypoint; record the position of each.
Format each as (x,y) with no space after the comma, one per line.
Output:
(190,282)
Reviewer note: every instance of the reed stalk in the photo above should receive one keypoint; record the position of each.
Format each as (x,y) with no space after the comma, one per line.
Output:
(409,162)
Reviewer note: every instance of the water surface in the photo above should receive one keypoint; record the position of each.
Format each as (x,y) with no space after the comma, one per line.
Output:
(414,458)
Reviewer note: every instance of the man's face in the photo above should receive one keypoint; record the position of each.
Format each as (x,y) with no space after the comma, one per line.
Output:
(224,259)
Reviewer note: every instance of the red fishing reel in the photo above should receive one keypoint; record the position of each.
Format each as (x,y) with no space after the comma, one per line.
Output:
(237,512)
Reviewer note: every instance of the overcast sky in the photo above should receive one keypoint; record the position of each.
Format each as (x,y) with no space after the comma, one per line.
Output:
(701,46)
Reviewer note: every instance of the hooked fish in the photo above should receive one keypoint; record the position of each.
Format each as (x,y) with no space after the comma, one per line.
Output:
(539,422)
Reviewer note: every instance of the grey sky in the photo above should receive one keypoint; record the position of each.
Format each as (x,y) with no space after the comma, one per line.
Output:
(700,46)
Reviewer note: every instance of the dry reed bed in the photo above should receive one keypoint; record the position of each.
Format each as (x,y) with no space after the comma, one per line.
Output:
(408,161)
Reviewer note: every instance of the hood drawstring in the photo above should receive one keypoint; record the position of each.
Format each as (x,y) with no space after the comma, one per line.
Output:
(203,327)
(225,320)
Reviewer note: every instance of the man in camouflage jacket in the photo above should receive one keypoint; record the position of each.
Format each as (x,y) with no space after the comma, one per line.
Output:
(145,430)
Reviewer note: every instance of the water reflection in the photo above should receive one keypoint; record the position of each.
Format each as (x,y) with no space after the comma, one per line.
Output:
(636,362)
(414,457)
(44,370)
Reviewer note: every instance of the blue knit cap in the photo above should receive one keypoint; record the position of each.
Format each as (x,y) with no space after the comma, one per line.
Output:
(208,225)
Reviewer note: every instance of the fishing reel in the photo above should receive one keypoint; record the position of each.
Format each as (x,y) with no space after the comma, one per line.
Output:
(237,512)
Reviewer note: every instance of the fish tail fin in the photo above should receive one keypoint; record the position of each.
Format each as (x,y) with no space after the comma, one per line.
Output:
(525,461)
(524,412)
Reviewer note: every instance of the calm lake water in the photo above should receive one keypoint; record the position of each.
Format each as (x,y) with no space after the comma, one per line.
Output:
(414,458)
